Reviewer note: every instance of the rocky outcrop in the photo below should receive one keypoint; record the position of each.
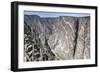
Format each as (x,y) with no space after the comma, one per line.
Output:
(56,38)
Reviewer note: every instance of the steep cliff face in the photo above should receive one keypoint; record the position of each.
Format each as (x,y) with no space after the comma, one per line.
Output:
(83,40)
(63,37)
(38,31)
(56,38)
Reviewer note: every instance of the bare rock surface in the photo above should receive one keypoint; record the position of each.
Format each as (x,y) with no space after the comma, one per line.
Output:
(83,40)
(56,38)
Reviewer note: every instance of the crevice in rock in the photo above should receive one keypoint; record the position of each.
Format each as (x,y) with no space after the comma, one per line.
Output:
(76,35)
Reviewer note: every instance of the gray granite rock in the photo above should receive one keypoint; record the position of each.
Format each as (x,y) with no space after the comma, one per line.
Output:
(56,38)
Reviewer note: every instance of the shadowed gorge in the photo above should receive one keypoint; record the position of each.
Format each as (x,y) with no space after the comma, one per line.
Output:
(56,38)
(76,33)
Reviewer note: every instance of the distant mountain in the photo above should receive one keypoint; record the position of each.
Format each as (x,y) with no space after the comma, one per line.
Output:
(56,38)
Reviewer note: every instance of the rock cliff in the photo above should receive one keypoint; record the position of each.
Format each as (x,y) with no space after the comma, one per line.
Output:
(56,38)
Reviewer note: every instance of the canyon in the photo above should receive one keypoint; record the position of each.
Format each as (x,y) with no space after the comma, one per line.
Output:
(56,38)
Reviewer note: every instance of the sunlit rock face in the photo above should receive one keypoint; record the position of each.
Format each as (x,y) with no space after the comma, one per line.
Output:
(63,38)
(56,38)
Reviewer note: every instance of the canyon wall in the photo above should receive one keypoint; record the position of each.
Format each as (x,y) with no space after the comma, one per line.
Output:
(56,38)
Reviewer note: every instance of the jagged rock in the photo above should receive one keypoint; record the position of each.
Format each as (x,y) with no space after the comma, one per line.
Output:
(63,38)
(56,38)
(83,40)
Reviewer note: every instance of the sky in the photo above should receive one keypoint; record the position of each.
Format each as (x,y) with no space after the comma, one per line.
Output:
(54,14)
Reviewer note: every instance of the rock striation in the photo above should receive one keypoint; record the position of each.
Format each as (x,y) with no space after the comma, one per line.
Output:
(56,38)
